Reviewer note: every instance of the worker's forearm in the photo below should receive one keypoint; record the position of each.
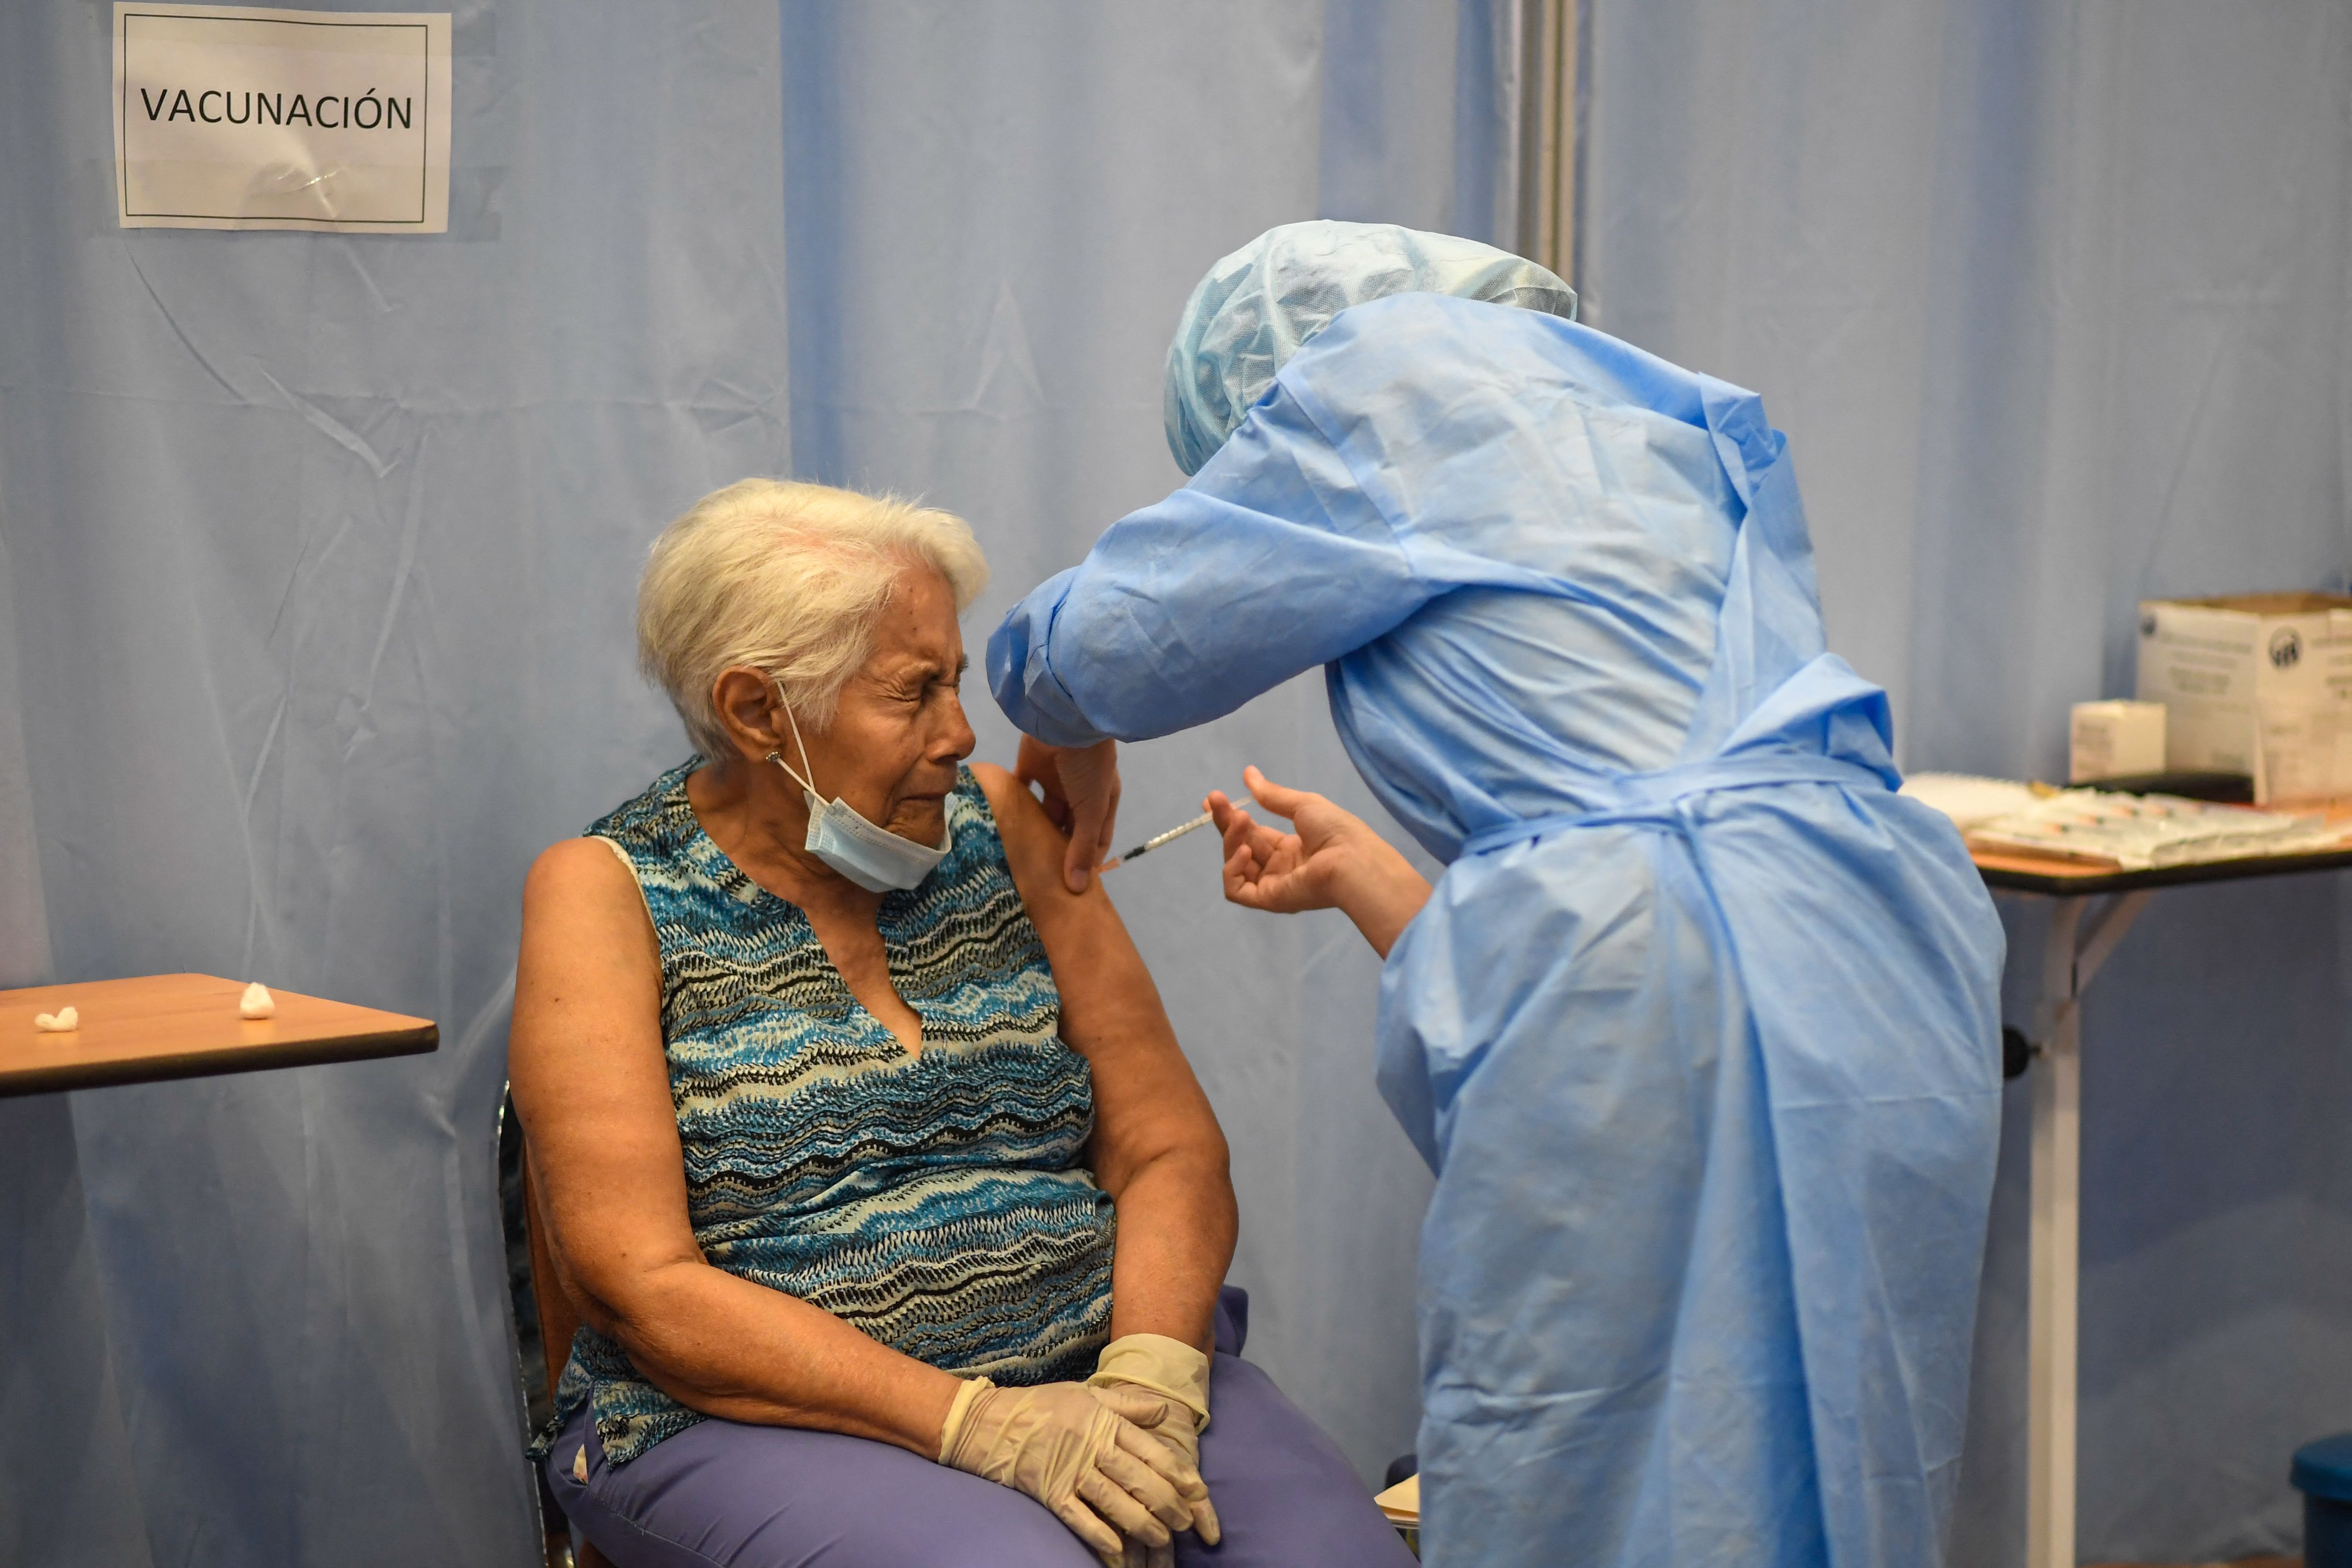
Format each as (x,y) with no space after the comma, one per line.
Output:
(1176,1225)
(1381,892)
(1020,676)
(728,1347)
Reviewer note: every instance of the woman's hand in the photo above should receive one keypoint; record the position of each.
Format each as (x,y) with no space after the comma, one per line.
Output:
(1081,788)
(1332,860)
(1162,1385)
(1168,1422)
(1114,1485)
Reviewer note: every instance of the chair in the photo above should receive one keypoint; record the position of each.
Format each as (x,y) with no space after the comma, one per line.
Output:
(544,1321)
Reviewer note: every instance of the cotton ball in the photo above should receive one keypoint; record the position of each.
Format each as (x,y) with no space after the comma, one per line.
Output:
(64,1021)
(256,1002)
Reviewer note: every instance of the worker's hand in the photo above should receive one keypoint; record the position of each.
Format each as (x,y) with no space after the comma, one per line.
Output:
(1076,1452)
(1284,873)
(1332,860)
(1081,789)
(1162,1385)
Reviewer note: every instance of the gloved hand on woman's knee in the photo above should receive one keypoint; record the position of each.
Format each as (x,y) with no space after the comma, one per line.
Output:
(1162,1385)
(1098,1472)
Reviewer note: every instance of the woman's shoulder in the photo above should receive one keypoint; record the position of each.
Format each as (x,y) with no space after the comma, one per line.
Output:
(586,870)
(650,839)
(993,800)
(653,815)
(975,809)
(986,786)
(1020,836)
(994,820)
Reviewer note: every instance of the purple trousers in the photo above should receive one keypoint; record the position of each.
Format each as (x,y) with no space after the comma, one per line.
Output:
(722,1494)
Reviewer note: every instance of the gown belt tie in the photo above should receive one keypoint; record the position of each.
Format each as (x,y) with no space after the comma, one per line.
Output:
(1657,798)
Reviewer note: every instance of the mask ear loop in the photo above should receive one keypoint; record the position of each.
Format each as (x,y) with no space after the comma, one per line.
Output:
(778,758)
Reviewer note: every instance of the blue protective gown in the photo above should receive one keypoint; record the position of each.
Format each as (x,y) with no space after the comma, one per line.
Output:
(1700,1027)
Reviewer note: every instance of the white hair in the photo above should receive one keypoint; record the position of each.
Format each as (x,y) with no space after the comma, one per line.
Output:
(789,579)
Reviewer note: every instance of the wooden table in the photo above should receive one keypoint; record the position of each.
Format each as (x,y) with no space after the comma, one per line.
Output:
(2080,940)
(160,1026)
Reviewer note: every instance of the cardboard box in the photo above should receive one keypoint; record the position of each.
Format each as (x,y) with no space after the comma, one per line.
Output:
(2255,683)
(2114,740)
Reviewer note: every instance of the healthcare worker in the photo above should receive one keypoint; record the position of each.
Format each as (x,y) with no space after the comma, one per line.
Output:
(1699,1029)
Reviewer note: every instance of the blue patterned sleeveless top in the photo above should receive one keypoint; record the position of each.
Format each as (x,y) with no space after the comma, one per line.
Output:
(935,1201)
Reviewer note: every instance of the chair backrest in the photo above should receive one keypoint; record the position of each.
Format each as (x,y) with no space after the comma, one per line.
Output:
(545,1318)
(558,1320)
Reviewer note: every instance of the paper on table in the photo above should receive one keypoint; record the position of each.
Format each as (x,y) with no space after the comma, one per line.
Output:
(2140,833)
(1401,1502)
(1967,799)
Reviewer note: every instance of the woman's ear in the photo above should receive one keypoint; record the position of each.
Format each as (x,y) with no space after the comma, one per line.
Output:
(754,714)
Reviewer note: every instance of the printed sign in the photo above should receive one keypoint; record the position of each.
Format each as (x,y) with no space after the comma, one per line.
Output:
(231,117)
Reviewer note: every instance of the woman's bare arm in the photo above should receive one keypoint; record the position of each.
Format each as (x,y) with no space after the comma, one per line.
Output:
(1157,1148)
(593,1089)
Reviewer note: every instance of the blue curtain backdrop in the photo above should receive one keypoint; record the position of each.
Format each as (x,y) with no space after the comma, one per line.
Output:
(2054,302)
(318,554)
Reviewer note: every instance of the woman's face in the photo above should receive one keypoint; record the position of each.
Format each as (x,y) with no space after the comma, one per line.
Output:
(895,742)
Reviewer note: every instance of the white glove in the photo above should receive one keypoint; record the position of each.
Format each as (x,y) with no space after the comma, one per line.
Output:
(1162,1385)
(1075,1453)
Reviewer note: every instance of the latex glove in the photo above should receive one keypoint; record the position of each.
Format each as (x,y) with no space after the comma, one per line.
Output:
(1081,790)
(1094,1468)
(1164,1382)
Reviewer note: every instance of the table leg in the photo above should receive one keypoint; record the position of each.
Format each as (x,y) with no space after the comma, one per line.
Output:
(2057,1255)
(2069,959)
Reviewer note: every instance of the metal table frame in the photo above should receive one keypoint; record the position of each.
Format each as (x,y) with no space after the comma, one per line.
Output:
(2090,913)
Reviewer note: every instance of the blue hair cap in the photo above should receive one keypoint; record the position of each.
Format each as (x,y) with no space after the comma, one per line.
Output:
(1258,306)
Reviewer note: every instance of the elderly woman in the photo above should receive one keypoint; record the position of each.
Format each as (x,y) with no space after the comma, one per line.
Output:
(864,1144)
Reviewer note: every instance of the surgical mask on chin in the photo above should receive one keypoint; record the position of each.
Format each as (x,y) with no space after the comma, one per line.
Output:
(874,857)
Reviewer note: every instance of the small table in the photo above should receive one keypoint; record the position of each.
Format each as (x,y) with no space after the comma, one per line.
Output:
(2071,955)
(160,1027)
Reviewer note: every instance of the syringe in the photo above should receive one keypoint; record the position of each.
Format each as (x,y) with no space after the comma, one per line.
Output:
(1148,845)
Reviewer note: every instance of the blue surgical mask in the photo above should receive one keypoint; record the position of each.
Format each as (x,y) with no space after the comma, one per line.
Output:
(874,857)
